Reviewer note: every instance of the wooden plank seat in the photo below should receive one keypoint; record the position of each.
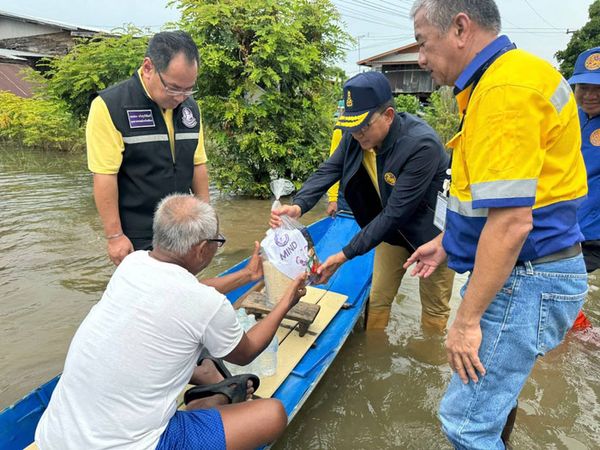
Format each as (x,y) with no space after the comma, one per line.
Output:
(304,313)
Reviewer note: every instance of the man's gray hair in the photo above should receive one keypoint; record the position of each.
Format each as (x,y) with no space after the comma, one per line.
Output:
(440,13)
(182,221)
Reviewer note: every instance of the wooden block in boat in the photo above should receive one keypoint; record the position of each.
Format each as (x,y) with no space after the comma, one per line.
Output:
(32,447)
(304,313)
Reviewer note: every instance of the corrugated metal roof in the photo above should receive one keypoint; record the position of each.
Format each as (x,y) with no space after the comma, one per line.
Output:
(11,80)
(19,55)
(409,48)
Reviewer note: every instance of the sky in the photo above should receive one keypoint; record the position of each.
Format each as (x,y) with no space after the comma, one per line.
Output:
(538,26)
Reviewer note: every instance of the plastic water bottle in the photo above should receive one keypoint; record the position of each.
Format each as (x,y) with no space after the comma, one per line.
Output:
(253,366)
(269,358)
(246,322)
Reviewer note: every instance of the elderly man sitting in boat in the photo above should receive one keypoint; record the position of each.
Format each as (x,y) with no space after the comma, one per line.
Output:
(154,331)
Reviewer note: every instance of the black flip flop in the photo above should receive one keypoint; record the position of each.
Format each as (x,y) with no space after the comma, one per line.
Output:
(234,388)
(217,362)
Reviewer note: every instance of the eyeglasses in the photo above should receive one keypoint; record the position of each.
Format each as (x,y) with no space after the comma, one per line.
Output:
(364,129)
(220,240)
(174,92)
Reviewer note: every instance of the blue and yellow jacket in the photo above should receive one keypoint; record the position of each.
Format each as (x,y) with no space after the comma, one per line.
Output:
(519,146)
(589,212)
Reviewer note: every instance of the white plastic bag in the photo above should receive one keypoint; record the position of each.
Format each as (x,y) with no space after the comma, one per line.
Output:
(288,248)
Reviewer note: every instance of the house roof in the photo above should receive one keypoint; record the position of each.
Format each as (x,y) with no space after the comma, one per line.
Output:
(52,23)
(408,53)
(19,55)
(10,80)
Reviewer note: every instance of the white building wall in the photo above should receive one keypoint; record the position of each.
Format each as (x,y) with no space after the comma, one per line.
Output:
(10,28)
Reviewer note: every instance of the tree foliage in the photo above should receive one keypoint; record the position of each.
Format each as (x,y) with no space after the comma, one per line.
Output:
(583,39)
(38,122)
(407,103)
(442,113)
(265,86)
(92,65)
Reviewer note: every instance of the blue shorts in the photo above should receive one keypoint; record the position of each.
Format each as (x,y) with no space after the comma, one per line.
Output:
(201,428)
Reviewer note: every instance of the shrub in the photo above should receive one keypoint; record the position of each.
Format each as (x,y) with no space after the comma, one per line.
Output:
(407,103)
(38,122)
(442,113)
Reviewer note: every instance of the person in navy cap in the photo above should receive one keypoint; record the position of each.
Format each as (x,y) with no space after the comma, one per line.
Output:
(586,78)
(391,167)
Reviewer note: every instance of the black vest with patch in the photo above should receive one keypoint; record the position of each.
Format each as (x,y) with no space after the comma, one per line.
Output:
(148,171)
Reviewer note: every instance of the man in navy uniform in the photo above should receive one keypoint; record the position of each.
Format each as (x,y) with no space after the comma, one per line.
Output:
(391,167)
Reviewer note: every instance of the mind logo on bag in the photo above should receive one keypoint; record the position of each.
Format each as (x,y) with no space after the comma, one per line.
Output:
(281,239)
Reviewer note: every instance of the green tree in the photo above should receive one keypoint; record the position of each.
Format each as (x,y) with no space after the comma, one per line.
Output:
(266,86)
(92,65)
(583,39)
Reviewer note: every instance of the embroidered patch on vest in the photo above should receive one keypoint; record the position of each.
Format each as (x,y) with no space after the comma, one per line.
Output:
(390,178)
(595,138)
(140,118)
(187,117)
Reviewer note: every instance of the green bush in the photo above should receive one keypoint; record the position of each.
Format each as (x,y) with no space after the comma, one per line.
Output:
(442,113)
(407,103)
(38,122)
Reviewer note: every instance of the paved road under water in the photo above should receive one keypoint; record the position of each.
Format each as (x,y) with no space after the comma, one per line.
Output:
(381,392)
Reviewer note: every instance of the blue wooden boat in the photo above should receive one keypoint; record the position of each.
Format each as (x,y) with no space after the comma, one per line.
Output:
(18,422)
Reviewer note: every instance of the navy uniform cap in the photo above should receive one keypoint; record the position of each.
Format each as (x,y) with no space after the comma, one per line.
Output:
(364,94)
(587,68)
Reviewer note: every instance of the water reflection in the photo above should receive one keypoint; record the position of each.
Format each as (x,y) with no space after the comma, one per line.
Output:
(381,392)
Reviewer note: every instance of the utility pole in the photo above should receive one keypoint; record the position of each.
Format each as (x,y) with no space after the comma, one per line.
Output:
(358,38)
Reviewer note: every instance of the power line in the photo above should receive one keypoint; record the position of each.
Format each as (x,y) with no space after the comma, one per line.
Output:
(538,14)
(365,18)
(372,6)
(367,13)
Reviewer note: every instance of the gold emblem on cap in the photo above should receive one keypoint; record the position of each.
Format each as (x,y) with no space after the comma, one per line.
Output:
(593,62)
(595,138)
(390,178)
(349,100)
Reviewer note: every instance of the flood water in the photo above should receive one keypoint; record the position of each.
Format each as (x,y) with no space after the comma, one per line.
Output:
(381,392)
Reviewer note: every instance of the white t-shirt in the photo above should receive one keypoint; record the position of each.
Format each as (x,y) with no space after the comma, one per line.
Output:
(133,354)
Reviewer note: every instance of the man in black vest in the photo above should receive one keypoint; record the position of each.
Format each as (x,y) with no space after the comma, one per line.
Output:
(145,141)
(391,167)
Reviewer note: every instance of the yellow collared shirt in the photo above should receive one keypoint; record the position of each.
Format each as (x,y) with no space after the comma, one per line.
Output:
(105,144)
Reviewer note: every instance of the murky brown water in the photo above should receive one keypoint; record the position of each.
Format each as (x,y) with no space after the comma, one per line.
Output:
(381,392)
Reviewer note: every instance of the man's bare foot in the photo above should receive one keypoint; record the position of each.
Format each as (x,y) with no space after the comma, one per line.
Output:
(205,374)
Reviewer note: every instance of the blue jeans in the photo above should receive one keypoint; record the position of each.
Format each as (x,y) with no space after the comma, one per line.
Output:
(528,317)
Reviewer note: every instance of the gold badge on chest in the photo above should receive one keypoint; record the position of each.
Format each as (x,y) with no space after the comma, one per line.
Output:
(390,178)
